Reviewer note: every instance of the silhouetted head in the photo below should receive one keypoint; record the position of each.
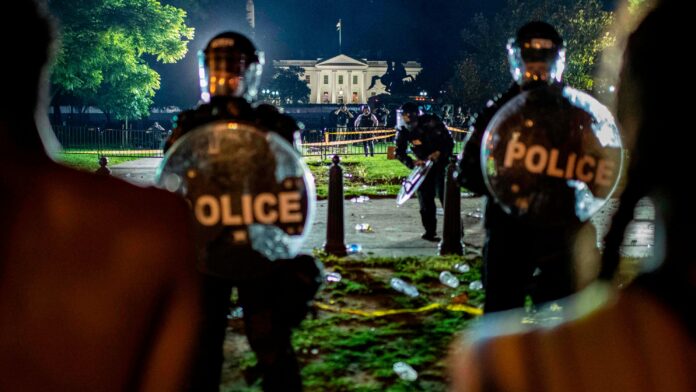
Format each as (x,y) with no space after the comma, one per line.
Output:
(27,44)
(659,127)
(409,112)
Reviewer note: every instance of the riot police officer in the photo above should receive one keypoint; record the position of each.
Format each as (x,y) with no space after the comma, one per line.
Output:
(516,248)
(273,295)
(429,139)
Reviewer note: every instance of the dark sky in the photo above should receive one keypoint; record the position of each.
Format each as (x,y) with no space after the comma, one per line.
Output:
(422,30)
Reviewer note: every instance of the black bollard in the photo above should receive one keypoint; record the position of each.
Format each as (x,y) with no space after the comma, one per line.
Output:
(335,225)
(103,170)
(451,243)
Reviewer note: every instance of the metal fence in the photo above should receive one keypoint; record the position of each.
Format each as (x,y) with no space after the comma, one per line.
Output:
(111,142)
(148,143)
(377,141)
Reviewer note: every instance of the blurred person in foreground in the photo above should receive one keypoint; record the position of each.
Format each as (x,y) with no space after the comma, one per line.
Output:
(641,338)
(95,290)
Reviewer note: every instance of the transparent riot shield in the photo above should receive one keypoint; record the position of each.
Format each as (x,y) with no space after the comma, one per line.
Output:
(552,154)
(414,180)
(250,194)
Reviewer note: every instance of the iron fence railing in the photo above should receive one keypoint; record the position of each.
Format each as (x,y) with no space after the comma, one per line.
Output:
(111,142)
(148,143)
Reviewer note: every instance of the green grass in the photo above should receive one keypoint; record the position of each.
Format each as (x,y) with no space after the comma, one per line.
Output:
(368,176)
(87,162)
(344,352)
(355,353)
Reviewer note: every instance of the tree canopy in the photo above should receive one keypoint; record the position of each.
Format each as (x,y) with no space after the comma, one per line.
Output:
(289,85)
(482,70)
(104,47)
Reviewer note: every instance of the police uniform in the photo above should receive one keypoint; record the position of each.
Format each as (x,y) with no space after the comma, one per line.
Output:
(427,135)
(516,248)
(274,295)
(521,256)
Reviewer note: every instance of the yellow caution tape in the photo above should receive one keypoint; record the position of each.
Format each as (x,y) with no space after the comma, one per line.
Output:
(361,132)
(389,312)
(459,130)
(112,152)
(338,143)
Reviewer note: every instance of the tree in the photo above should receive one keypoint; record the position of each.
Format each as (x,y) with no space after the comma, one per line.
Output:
(291,88)
(104,47)
(482,70)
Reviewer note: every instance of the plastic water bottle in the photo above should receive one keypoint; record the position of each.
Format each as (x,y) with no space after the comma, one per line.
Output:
(448,279)
(353,248)
(405,371)
(462,268)
(236,313)
(403,287)
(476,285)
(332,277)
(364,228)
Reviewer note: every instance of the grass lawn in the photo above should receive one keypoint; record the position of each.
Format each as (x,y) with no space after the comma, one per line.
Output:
(339,351)
(88,162)
(368,176)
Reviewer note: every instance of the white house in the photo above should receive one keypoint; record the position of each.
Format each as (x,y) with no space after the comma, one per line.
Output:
(343,79)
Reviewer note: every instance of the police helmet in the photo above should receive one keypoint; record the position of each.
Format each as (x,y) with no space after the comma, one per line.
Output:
(229,66)
(536,54)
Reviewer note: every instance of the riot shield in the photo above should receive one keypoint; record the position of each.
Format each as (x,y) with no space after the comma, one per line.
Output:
(552,154)
(250,194)
(414,180)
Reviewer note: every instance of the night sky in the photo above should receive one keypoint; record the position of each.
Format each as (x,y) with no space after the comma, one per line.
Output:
(422,30)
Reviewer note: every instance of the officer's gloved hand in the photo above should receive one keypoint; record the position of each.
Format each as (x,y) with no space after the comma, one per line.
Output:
(434,156)
(297,280)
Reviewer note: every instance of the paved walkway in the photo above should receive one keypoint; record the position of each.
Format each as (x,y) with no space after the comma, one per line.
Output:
(397,230)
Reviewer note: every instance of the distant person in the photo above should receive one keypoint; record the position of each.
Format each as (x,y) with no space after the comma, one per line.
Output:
(459,118)
(96,289)
(156,127)
(447,115)
(382,114)
(429,140)
(366,122)
(343,117)
(641,338)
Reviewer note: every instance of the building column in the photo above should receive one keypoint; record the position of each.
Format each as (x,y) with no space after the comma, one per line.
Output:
(333,87)
(320,85)
(349,93)
(363,98)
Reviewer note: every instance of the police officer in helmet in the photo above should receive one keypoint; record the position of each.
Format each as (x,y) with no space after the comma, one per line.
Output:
(274,295)
(230,71)
(514,248)
(429,139)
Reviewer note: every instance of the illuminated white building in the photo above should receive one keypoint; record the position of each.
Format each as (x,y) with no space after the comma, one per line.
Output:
(343,79)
